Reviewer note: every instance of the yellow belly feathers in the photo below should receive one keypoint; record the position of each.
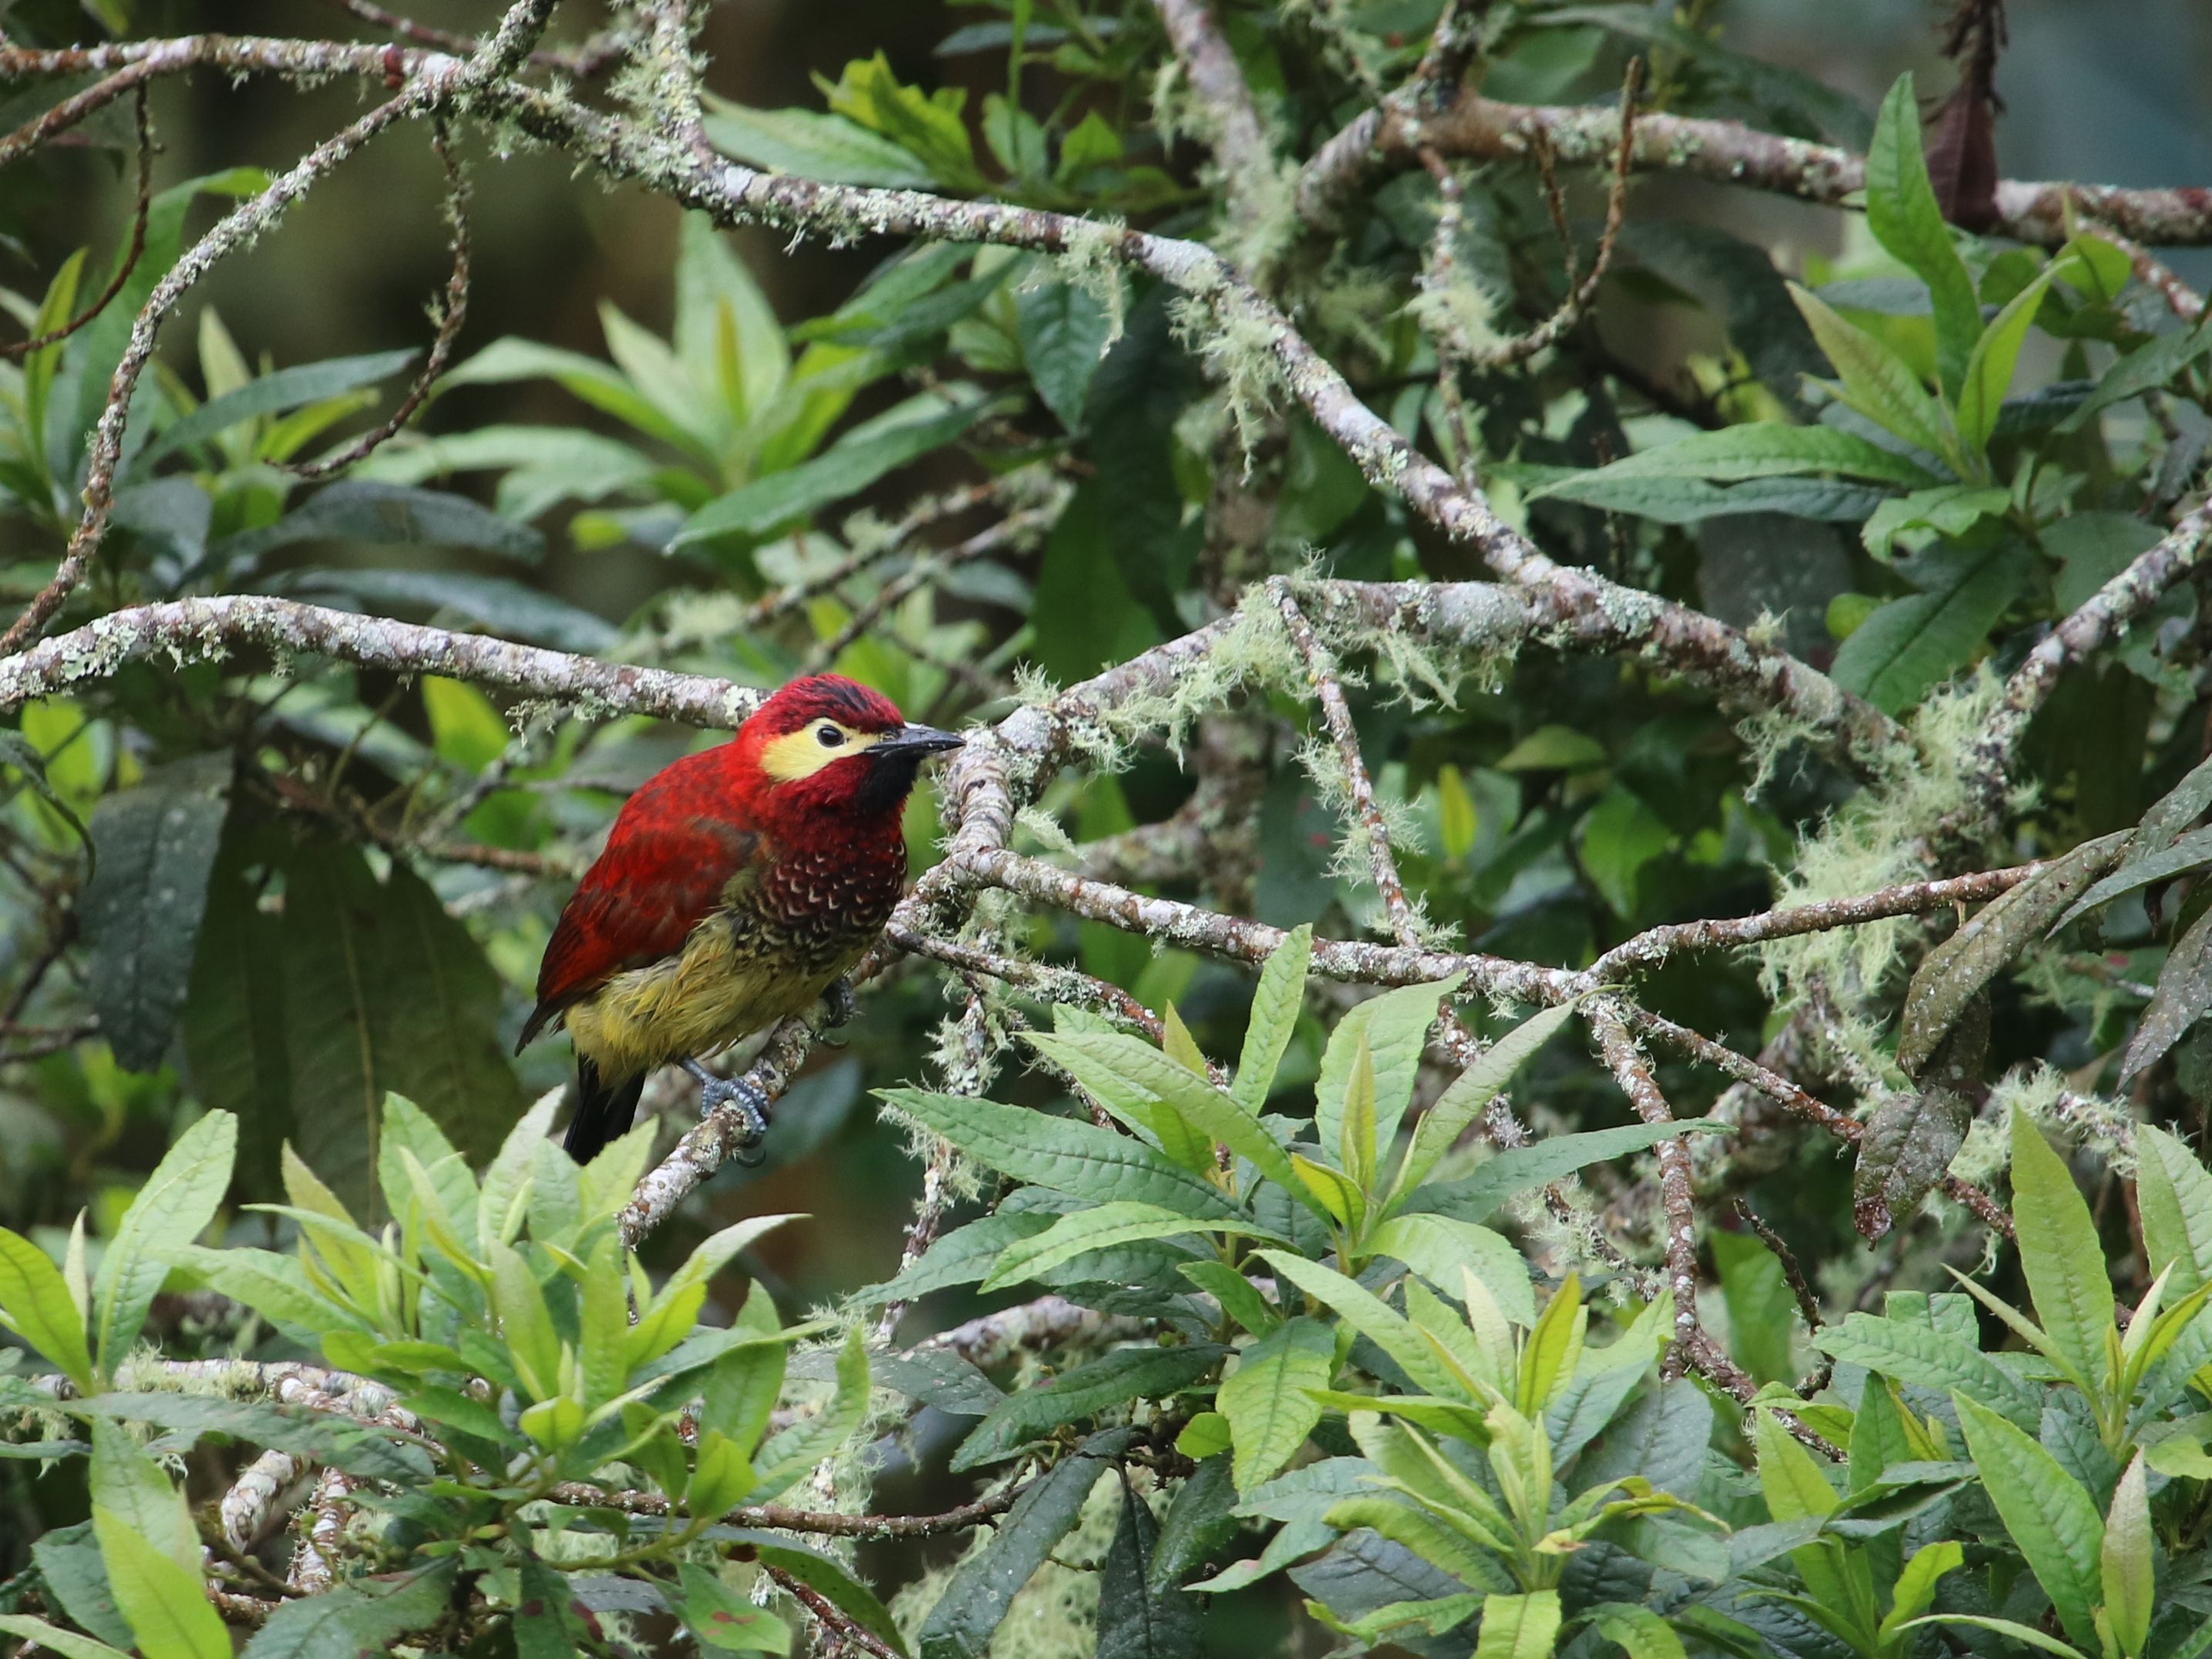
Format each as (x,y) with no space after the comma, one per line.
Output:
(694,1004)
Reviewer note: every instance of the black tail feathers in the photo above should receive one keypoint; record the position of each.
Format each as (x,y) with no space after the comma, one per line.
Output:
(604,1111)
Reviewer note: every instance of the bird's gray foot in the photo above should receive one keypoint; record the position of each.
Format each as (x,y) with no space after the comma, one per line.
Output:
(838,1001)
(716,1092)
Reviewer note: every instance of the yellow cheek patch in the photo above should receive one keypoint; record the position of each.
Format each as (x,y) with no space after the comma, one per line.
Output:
(802,753)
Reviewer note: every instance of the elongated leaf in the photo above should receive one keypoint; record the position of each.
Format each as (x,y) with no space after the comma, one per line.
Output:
(2173,1192)
(2143,868)
(365,1615)
(1438,1247)
(2146,368)
(167,1610)
(963,1256)
(1955,972)
(830,1580)
(384,515)
(1518,1627)
(1909,645)
(1113,1380)
(720,1619)
(1641,1633)
(962,1624)
(1118,1223)
(1395,1026)
(35,1301)
(315,1435)
(386,993)
(1877,382)
(70,1645)
(2011,1628)
(1080,1159)
(1204,1107)
(497,604)
(286,388)
(234,1016)
(1201,1519)
(1267,1401)
(2059,1252)
(177,1202)
(76,1579)
(1996,354)
(1139,1618)
(1275,1004)
(813,144)
(1916,1586)
(1693,501)
(2125,1562)
(1929,1358)
(839,472)
(1950,509)
(1065,332)
(130,1488)
(1912,1137)
(1762,449)
(1473,1091)
(1903,214)
(2051,1517)
(1524,1169)
(143,902)
(1373,1318)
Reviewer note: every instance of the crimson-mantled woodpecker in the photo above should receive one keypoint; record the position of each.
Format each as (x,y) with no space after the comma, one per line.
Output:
(737,887)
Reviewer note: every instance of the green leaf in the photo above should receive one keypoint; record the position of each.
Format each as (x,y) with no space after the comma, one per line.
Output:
(1201,1519)
(1275,1005)
(1438,1247)
(1240,1298)
(598,383)
(723,1621)
(143,903)
(36,1303)
(1121,1221)
(1266,1398)
(67,1642)
(316,1436)
(273,393)
(963,1256)
(1373,1318)
(1473,1091)
(1395,1028)
(1140,1618)
(1641,1633)
(363,1615)
(1129,1102)
(384,515)
(1065,333)
(1926,1358)
(75,1578)
(1956,971)
(725,334)
(170,1211)
(1916,1585)
(2017,1632)
(2125,1563)
(2183,992)
(1080,1159)
(2147,368)
(2173,1193)
(2051,1517)
(2060,1253)
(1757,449)
(1902,215)
(1909,1144)
(1909,645)
(1196,1101)
(1950,510)
(1762,1312)
(1114,1379)
(2144,867)
(167,1610)
(1693,500)
(928,125)
(385,993)
(830,1580)
(1996,355)
(811,144)
(982,1587)
(1524,1169)
(844,469)
(1518,1627)
(1877,382)
(132,1490)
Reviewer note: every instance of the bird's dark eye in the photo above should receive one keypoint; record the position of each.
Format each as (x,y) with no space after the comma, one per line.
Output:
(829,737)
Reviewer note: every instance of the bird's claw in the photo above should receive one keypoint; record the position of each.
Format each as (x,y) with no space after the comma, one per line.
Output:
(752,1104)
(839,1004)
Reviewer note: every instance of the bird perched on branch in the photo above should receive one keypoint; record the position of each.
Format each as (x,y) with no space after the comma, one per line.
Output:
(737,887)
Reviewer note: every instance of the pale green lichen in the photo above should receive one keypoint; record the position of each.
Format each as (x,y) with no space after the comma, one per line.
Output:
(1090,257)
(1236,343)
(1874,841)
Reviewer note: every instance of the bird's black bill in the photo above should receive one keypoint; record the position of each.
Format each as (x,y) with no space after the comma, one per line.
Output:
(916,740)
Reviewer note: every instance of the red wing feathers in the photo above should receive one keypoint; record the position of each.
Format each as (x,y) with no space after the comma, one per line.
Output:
(673,851)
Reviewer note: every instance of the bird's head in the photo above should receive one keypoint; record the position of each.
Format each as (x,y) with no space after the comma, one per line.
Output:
(825,749)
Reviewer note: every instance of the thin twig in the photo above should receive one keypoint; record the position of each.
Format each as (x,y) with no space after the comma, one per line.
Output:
(131,254)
